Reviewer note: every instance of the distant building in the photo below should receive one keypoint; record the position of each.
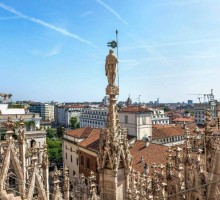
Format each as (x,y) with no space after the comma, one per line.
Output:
(35,107)
(105,101)
(199,111)
(159,117)
(129,101)
(63,114)
(169,135)
(190,102)
(183,120)
(137,120)
(47,112)
(94,117)
(157,102)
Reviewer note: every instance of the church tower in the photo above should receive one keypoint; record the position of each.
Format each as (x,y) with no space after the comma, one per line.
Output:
(114,159)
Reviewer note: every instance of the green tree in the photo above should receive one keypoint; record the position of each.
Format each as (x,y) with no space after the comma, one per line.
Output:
(54,150)
(60,131)
(74,122)
(51,133)
(167,109)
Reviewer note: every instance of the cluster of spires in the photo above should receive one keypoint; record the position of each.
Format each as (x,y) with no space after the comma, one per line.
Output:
(33,180)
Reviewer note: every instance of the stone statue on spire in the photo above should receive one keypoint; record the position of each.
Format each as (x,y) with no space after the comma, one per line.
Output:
(110,67)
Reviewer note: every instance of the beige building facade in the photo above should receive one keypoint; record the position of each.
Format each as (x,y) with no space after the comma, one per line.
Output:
(70,155)
(137,121)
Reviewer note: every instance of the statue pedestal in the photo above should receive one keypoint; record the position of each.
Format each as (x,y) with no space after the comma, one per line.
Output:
(112,90)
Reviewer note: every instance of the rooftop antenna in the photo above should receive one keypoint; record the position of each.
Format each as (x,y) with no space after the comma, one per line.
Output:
(116,32)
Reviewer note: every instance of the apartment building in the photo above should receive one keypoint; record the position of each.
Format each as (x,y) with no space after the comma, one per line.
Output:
(46,110)
(199,111)
(159,117)
(94,117)
(63,114)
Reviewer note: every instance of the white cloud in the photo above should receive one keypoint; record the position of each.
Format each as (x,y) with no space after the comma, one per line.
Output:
(86,13)
(54,51)
(45,24)
(111,10)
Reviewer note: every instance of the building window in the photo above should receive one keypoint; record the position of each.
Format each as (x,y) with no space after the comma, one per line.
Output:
(74,173)
(126,119)
(71,158)
(88,164)
(82,160)
(144,121)
(66,155)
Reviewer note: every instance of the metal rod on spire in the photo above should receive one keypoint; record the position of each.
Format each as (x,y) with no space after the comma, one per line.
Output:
(117,54)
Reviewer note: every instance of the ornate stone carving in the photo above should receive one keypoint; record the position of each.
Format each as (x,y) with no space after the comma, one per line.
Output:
(112,90)
(9,124)
(21,133)
(57,195)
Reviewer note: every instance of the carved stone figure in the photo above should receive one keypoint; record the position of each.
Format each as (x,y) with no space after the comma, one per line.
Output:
(110,67)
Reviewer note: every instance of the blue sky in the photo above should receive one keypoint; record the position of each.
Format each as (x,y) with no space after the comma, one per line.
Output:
(55,49)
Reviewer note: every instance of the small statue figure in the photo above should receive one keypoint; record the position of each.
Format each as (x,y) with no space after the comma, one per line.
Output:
(110,67)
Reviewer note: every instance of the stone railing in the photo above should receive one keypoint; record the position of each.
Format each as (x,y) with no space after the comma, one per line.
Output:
(17,116)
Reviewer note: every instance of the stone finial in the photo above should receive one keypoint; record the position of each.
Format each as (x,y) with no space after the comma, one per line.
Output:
(56,193)
(45,160)
(208,122)
(66,182)
(9,124)
(21,134)
(55,174)
(93,192)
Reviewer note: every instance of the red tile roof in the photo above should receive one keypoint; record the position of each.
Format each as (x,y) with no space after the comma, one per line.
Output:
(80,132)
(135,109)
(165,132)
(72,106)
(183,119)
(162,125)
(170,131)
(153,153)
(92,142)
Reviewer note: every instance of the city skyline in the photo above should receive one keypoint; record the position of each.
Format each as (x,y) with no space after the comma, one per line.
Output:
(56,50)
